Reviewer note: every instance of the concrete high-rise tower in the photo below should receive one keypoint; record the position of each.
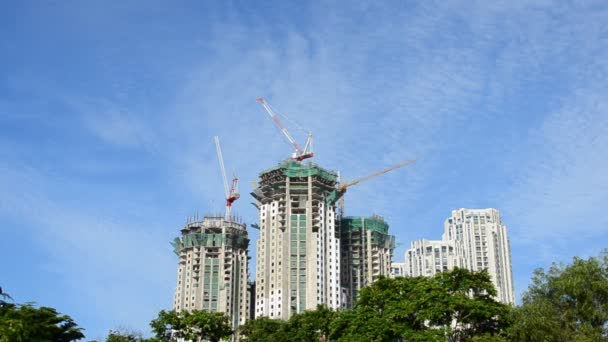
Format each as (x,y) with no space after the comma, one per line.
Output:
(212,272)
(480,238)
(367,253)
(298,251)
(475,239)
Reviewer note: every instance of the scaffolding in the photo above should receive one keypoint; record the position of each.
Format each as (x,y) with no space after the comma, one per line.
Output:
(212,267)
(367,252)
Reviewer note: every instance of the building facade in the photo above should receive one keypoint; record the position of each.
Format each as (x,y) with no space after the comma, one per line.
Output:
(298,250)
(429,257)
(481,239)
(398,269)
(475,239)
(213,267)
(367,253)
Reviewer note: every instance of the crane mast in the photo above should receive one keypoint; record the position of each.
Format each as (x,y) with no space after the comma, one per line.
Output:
(299,154)
(232,192)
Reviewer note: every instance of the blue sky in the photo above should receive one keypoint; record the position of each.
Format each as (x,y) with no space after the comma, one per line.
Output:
(108,112)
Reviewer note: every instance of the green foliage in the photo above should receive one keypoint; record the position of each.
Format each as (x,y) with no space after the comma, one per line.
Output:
(362,325)
(167,321)
(379,315)
(469,303)
(3,297)
(309,326)
(191,325)
(212,326)
(456,305)
(28,323)
(566,303)
(123,335)
(264,329)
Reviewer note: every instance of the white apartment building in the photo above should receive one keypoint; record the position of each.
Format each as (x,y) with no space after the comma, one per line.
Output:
(212,271)
(429,257)
(475,239)
(298,251)
(367,253)
(481,239)
(397,269)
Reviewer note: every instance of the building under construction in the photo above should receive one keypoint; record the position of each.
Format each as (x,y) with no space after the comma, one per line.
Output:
(298,251)
(212,272)
(367,252)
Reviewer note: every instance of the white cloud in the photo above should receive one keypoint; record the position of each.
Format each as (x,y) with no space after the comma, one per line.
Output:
(115,124)
(562,189)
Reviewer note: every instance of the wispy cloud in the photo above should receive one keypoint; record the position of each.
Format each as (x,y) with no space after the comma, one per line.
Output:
(102,261)
(557,195)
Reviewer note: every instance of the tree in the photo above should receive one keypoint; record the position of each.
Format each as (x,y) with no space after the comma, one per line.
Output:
(168,325)
(191,325)
(379,314)
(566,303)
(310,325)
(469,305)
(264,329)
(458,305)
(362,325)
(3,297)
(212,326)
(126,335)
(28,323)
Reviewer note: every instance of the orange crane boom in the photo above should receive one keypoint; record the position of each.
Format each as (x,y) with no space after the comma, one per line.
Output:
(344,186)
(341,189)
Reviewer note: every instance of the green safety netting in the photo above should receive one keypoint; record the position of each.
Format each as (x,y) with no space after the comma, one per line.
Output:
(370,223)
(208,240)
(378,228)
(292,169)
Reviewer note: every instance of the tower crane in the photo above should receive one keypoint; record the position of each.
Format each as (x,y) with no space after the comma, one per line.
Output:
(299,154)
(232,192)
(337,193)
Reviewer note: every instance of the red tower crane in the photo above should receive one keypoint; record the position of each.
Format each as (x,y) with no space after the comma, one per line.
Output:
(232,192)
(299,154)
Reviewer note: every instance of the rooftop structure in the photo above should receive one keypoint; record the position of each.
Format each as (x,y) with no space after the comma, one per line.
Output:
(212,271)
